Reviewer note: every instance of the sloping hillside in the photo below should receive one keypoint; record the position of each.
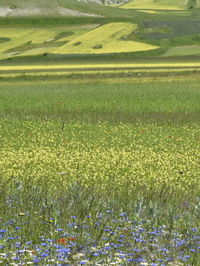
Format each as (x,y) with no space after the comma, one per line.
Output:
(108,38)
(58,7)
(161,4)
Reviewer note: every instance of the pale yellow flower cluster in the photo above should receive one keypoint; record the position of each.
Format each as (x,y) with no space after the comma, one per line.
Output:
(149,160)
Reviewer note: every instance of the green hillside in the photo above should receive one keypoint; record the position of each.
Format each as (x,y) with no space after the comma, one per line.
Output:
(58,7)
(58,28)
(162,4)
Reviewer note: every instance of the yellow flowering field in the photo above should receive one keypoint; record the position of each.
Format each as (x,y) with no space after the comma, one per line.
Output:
(147,159)
(105,39)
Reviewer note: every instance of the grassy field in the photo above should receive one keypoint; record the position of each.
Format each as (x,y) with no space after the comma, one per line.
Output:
(184,50)
(160,4)
(99,171)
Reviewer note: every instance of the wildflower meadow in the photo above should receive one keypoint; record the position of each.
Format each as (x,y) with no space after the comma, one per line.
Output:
(100,172)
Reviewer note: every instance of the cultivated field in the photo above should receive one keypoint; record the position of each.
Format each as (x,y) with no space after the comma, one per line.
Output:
(160,4)
(99,133)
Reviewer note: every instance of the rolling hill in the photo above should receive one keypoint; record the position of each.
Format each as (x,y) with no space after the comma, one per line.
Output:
(162,4)
(95,27)
(58,7)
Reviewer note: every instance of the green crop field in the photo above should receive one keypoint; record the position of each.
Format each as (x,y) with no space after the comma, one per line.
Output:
(99,132)
(159,4)
(183,50)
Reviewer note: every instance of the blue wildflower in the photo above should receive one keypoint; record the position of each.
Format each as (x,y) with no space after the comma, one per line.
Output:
(95,254)
(44,255)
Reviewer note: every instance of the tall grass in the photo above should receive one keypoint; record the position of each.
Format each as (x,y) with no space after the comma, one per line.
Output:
(85,164)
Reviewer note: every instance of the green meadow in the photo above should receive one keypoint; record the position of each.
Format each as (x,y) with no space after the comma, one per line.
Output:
(76,148)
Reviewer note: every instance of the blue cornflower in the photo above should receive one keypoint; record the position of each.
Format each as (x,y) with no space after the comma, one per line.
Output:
(107,248)
(43,244)
(139,260)
(43,255)
(164,250)
(138,239)
(104,253)
(95,254)
(63,250)
(82,262)
(2,231)
(140,230)
(35,260)
(20,251)
(169,259)
(180,243)
(17,244)
(154,233)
